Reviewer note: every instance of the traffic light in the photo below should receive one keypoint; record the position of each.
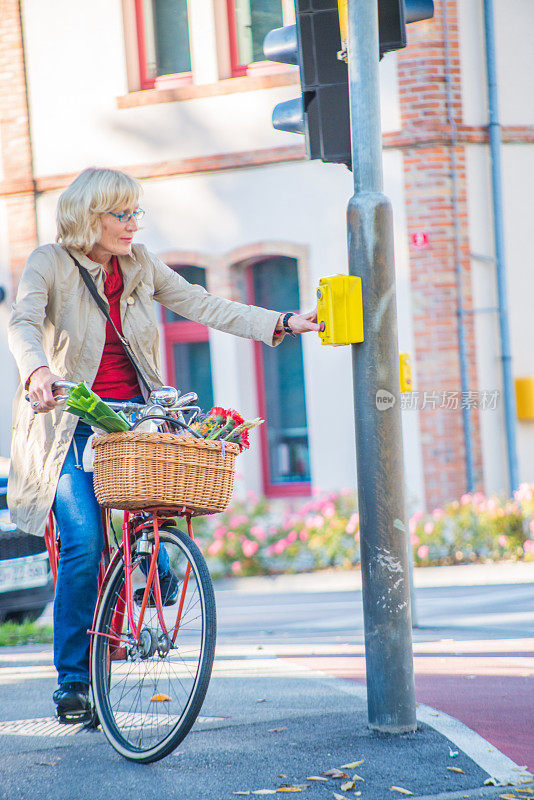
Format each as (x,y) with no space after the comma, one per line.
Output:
(394,15)
(322,112)
(314,44)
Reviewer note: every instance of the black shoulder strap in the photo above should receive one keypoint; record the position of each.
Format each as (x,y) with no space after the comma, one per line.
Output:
(86,278)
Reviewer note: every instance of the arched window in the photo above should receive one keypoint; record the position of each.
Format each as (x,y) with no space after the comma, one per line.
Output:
(273,283)
(187,348)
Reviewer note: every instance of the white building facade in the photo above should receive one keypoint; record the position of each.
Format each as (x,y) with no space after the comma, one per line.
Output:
(176,93)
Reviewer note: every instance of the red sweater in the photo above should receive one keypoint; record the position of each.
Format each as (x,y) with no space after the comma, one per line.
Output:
(116,378)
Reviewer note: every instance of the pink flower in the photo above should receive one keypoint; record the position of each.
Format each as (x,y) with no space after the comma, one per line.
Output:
(249,548)
(303,536)
(259,532)
(465,499)
(253,497)
(412,524)
(422,551)
(438,513)
(478,498)
(531,526)
(352,524)
(418,516)
(528,546)
(215,547)
(219,533)
(236,567)
(314,521)
(230,536)
(329,510)
(428,527)
(280,546)
(524,492)
(292,536)
(414,539)
(316,491)
(503,541)
(239,519)
(357,536)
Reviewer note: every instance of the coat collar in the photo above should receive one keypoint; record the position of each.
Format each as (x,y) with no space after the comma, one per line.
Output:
(130,267)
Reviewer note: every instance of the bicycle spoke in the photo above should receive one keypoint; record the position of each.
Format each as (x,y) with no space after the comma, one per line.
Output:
(148,699)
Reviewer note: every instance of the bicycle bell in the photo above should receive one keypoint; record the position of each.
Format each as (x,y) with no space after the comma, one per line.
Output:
(164,396)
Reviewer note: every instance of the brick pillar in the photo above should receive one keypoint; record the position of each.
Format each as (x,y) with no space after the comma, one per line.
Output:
(17,187)
(426,141)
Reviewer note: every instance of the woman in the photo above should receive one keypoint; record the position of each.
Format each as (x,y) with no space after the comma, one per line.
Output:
(58,332)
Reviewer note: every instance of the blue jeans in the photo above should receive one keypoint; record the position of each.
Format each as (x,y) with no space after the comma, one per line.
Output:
(79,520)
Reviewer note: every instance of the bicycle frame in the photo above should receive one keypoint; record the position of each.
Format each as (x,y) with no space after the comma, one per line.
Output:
(133,524)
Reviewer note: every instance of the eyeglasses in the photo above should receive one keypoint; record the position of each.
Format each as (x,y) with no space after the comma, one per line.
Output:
(126,216)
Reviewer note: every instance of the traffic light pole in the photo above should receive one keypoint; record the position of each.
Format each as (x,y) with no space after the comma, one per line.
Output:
(384,556)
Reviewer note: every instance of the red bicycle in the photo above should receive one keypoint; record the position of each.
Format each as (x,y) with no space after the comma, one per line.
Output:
(151,655)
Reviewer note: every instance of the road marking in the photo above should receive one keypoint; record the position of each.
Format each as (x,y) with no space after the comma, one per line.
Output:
(487,756)
(50,727)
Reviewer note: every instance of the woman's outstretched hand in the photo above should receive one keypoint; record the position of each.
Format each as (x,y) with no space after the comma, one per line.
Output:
(303,323)
(40,390)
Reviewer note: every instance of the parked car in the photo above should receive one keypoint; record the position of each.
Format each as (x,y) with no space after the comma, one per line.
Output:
(26,581)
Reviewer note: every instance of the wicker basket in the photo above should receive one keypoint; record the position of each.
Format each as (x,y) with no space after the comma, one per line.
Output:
(135,470)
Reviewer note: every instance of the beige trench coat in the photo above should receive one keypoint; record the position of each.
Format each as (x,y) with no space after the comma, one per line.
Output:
(56,323)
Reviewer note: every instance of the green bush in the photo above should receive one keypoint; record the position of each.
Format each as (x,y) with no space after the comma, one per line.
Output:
(256,536)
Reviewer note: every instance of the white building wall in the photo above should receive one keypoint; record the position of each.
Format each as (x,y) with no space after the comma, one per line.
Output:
(513,21)
(8,368)
(74,83)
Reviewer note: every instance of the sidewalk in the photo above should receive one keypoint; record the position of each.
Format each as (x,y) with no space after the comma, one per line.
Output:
(272,720)
(501,572)
(266,725)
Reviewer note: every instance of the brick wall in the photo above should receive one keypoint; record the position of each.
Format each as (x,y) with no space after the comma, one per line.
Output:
(427,144)
(15,145)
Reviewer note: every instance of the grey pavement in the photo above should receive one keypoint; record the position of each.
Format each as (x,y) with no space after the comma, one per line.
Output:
(268,722)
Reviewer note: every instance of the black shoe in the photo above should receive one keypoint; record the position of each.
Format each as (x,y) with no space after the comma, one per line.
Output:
(169,591)
(72,702)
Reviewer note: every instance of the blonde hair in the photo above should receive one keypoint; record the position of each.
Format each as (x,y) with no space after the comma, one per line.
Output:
(93,193)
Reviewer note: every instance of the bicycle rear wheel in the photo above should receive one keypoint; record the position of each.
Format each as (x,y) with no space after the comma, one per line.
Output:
(148,696)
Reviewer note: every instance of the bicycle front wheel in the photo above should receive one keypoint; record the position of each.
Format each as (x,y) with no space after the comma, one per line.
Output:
(148,693)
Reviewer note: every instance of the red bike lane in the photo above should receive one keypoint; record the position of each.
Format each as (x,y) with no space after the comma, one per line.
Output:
(486,684)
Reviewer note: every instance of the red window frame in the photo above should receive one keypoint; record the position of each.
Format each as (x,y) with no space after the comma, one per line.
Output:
(145,81)
(270,489)
(180,333)
(255,67)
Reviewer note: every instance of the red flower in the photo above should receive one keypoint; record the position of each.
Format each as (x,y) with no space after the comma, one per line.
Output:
(219,413)
(243,440)
(237,418)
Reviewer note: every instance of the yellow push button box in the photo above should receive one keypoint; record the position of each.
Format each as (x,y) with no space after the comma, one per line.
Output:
(339,307)
(405,368)
(524,396)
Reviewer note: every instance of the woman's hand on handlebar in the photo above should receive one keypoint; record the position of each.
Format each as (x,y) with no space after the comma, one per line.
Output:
(40,391)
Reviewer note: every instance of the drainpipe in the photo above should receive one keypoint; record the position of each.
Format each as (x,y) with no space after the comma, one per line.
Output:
(462,347)
(500,263)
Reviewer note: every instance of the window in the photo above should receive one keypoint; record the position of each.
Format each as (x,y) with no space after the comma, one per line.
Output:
(250,21)
(273,283)
(163,38)
(188,349)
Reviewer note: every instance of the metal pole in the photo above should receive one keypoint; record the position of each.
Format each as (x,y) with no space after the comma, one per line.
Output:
(462,347)
(384,555)
(495,149)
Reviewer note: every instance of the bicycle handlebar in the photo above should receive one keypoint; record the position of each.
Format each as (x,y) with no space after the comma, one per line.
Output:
(184,403)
